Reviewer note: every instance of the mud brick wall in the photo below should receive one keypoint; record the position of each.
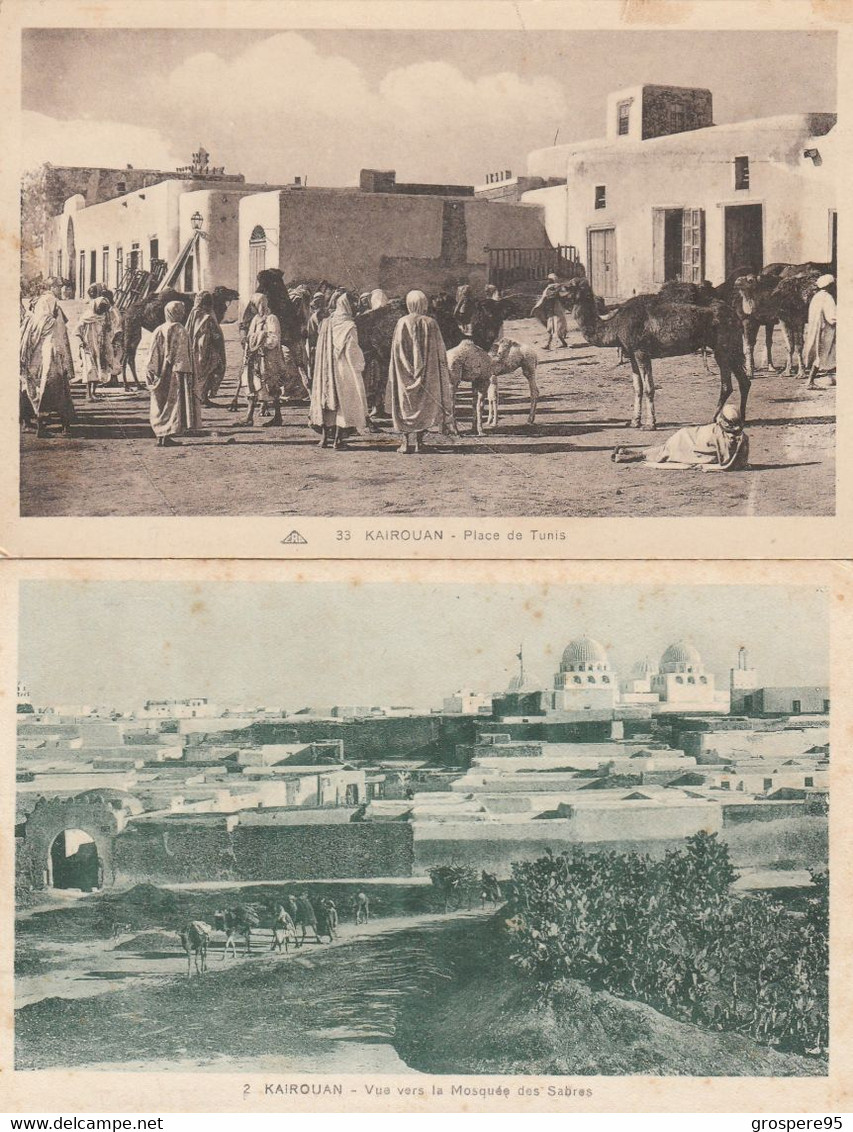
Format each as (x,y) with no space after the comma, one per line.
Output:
(657,101)
(761,811)
(363,739)
(167,853)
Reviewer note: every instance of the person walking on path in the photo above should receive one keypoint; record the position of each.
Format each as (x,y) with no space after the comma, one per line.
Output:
(820,336)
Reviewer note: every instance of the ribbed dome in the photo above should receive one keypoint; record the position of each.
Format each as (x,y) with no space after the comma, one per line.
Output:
(643,668)
(583,650)
(680,656)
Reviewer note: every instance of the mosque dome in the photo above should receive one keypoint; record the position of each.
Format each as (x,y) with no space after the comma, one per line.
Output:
(583,651)
(643,668)
(680,657)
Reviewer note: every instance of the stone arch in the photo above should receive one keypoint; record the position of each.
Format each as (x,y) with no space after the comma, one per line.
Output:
(73,861)
(51,818)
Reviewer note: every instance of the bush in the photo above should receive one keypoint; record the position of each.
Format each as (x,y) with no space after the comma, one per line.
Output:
(671,934)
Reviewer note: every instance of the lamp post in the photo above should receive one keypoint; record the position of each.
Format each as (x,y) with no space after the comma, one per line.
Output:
(196,220)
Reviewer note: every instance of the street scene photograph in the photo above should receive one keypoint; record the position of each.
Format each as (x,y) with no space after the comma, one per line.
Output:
(485,273)
(562,830)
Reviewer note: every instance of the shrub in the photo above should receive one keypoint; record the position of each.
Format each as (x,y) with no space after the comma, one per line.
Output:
(671,933)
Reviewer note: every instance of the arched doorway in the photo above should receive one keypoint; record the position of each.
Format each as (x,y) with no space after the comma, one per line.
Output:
(71,254)
(257,252)
(73,861)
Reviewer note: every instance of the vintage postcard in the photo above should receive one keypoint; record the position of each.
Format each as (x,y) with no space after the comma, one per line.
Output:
(448,836)
(314,280)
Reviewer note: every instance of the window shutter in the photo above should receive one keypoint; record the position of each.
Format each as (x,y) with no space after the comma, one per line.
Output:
(658,230)
(693,245)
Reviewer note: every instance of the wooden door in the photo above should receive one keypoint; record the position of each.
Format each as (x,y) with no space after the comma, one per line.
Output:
(744,238)
(602,262)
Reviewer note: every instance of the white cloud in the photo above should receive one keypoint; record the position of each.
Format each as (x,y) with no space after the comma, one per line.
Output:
(91,142)
(281,107)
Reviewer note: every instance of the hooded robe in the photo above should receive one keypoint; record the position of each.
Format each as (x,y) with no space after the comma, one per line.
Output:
(418,373)
(169,373)
(46,365)
(337,393)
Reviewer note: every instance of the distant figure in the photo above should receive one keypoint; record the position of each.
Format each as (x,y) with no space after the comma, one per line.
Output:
(327,919)
(551,312)
(283,930)
(338,399)
(168,376)
(207,350)
(361,907)
(95,356)
(820,335)
(46,366)
(114,337)
(722,444)
(419,376)
(307,916)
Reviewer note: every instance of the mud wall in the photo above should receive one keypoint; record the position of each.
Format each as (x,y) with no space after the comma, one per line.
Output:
(163,853)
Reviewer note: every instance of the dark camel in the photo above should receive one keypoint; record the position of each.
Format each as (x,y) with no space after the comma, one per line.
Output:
(149,313)
(658,327)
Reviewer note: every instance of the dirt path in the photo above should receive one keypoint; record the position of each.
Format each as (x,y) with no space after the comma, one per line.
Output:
(558,467)
(93,968)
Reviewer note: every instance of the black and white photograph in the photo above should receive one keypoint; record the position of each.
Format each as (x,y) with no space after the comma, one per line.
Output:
(344,272)
(565,831)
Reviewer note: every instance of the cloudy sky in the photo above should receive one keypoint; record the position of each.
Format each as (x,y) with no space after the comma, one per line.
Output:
(288,645)
(448,105)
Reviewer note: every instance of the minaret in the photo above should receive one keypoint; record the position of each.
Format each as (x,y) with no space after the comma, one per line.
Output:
(520,658)
(743,678)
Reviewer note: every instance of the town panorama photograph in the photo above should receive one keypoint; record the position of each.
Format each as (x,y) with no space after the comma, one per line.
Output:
(566,831)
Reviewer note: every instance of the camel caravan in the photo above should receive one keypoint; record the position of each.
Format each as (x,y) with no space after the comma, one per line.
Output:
(286,923)
(346,355)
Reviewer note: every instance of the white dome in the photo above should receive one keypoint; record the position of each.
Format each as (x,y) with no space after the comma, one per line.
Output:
(583,650)
(680,657)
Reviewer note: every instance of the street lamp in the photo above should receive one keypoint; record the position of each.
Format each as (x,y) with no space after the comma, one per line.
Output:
(196,220)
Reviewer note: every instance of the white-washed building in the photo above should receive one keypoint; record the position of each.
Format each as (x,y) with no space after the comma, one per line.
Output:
(667,195)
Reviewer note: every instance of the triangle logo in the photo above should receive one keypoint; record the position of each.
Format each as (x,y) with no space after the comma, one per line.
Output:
(294,539)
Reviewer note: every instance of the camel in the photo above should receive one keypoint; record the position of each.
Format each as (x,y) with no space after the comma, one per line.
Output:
(660,328)
(235,922)
(194,940)
(149,313)
(507,357)
(791,296)
(754,304)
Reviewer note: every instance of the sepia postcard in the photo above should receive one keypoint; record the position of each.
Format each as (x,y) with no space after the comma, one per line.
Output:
(383,280)
(442,836)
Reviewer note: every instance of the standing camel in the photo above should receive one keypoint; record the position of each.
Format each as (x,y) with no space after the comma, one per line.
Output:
(194,940)
(235,922)
(662,328)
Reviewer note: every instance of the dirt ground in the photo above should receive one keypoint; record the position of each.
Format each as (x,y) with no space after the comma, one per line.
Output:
(560,466)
